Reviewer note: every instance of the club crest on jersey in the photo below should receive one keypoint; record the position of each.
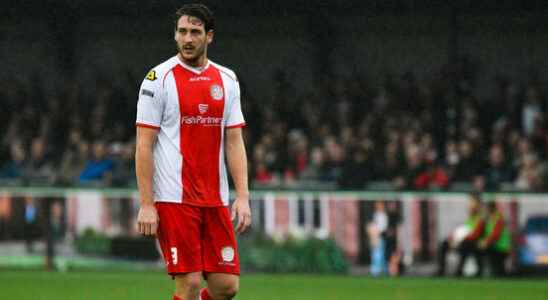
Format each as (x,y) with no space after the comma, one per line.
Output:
(151,75)
(227,253)
(202,108)
(216,92)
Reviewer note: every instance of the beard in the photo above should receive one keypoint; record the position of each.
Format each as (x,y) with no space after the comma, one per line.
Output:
(191,54)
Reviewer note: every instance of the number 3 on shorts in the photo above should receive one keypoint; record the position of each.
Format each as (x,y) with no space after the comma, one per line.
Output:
(174,255)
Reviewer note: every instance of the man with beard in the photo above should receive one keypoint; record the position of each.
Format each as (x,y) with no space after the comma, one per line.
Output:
(188,116)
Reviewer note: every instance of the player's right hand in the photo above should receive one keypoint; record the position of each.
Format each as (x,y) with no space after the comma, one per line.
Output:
(147,220)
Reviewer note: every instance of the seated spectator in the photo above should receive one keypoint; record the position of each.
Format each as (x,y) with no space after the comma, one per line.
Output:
(124,164)
(452,158)
(14,168)
(434,177)
(497,172)
(297,152)
(356,171)
(529,177)
(335,155)
(316,169)
(99,167)
(531,110)
(74,160)
(391,167)
(415,167)
(262,174)
(522,147)
(39,169)
(468,165)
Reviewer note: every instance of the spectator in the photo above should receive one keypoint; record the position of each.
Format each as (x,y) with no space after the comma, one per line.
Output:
(262,175)
(124,164)
(452,158)
(521,148)
(261,172)
(357,170)
(39,170)
(497,172)
(415,167)
(469,165)
(31,226)
(391,168)
(316,169)
(99,167)
(15,168)
(392,235)
(74,159)
(529,175)
(434,177)
(335,155)
(297,152)
(57,220)
(376,231)
(531,111)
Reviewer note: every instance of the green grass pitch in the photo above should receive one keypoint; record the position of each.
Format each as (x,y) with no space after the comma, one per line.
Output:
(32,285)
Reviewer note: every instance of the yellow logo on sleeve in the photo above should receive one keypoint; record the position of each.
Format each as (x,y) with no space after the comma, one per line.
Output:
(151,75)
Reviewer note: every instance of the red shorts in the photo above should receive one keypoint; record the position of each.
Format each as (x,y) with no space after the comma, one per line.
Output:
(197,239)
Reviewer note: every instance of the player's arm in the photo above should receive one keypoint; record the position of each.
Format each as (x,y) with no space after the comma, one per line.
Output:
(150,109)
(237,164)
(147,220)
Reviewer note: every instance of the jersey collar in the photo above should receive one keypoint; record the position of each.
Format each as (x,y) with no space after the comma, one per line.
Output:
(190,68)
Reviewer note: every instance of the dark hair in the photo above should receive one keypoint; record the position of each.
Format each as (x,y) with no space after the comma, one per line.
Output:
(199,11)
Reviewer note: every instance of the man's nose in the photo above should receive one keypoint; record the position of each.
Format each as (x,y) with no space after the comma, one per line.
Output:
(187,38)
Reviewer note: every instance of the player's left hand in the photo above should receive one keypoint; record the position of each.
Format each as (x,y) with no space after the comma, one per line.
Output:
(240,209)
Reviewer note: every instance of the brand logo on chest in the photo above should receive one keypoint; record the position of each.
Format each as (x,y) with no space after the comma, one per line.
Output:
(199,78)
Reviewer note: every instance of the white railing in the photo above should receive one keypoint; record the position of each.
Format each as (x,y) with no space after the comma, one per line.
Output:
(426,217)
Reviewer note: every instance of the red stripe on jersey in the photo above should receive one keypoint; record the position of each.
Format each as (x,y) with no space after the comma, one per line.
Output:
(146,125)
(236,125)
(201,104)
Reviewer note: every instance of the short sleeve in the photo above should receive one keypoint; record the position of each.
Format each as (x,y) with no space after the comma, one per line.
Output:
(235,116)
(151,103)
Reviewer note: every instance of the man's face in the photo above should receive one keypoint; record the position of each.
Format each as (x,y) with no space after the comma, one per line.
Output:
(191,38)
(496,156)
(473,207)
(38,148)
(17,153)
(99,151)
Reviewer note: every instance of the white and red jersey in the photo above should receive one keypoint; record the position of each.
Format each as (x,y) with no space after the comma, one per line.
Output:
(191,108)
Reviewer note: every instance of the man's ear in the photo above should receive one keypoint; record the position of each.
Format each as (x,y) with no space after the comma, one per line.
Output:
(210,36)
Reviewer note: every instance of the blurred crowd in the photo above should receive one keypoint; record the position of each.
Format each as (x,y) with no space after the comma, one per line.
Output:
(71,137)
(407,132)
